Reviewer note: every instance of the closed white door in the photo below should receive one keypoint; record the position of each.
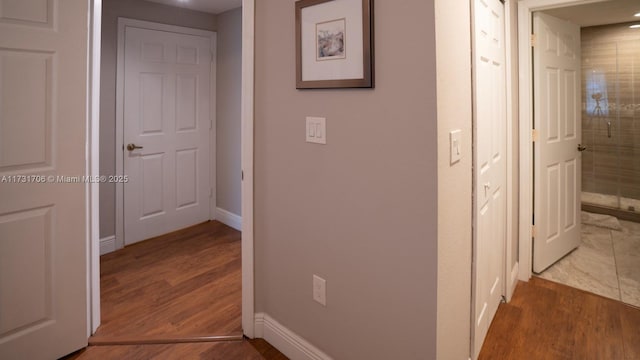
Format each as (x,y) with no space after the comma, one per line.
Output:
(43,228)
(489,163)
(167,128)
(557,120)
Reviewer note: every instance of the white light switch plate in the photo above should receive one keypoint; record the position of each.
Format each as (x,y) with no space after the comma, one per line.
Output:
(316,130)
(455,146)
(320,290)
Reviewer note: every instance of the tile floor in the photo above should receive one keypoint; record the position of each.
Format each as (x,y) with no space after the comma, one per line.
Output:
(607,262)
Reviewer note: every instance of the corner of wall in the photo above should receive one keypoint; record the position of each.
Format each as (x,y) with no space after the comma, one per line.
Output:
(453,53)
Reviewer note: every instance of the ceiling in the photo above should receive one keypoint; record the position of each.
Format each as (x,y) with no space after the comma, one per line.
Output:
(600,13)
(210,6)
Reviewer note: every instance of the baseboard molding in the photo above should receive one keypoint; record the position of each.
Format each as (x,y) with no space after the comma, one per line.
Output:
(107,244)
(513,280)
(514,273)
(229,218)
(285,340)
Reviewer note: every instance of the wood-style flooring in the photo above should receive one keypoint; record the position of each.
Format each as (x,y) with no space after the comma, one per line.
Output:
(257,349)
(186,283)
(547,320)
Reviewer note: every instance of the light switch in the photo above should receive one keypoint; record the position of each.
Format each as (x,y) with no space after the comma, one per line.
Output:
(316,130)
(455,146)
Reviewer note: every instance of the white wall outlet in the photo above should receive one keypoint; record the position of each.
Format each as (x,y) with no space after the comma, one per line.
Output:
(455,145)
(320,290)
(316,130)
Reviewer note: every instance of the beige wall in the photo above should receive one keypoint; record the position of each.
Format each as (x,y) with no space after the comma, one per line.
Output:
(453,53)
(229,73)
(135,9)
(359,211)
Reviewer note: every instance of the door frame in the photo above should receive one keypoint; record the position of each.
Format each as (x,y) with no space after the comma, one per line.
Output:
(526,8)
(93,151)
(124,22)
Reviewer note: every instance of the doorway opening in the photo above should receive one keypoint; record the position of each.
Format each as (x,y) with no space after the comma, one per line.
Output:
(605,259)
(243,115)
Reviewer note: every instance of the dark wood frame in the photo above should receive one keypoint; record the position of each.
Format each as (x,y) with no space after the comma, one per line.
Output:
(367,56)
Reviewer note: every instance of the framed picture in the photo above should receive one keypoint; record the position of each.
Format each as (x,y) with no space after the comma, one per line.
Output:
(334,44)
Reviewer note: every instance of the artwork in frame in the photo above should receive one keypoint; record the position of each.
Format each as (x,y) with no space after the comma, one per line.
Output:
(334,44)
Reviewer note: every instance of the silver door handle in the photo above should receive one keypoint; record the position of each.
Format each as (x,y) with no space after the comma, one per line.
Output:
(609,128)
(132,147)
(581,148)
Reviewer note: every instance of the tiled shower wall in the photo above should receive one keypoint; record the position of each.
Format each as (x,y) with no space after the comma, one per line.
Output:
(611,68)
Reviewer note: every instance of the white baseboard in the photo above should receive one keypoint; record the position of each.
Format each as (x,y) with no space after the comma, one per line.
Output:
(285,340)
(513,281)
(514,273)
(107,244)
(229,218)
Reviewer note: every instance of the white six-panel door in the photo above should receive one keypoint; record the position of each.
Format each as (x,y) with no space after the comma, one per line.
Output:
(557,120)
(489,164)
(43,229)
(167,114)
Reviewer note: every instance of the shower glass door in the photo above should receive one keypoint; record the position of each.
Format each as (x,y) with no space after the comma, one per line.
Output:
(611,124)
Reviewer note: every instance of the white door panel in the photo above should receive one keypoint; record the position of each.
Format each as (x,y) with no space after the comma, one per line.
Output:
(167,113)
(489,164)
(43,104)
(557,120)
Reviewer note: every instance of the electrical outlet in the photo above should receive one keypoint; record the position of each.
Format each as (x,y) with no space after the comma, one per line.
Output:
(320,290)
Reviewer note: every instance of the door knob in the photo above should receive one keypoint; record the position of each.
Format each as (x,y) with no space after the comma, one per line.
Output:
(132,147)
(581,148)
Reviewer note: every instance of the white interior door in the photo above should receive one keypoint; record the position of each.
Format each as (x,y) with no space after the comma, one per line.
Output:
(557,160)
(167,115)
(43,229)
(490,174)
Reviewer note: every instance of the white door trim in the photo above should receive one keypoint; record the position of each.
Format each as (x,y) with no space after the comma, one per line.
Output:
(122,24)
(247,118)
(509,280)
(525,12)
(246,113)
(93,168)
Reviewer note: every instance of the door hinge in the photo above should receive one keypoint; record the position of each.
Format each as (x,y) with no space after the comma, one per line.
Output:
(533,231)
(241,175)
(533,40)
(534,135)
(211,54)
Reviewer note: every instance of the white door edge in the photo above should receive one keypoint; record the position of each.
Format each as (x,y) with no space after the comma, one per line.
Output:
(247,116)
(509,283)
(526,8)
(93,166)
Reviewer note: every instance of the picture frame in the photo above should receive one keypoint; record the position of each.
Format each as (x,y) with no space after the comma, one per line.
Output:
(334,44)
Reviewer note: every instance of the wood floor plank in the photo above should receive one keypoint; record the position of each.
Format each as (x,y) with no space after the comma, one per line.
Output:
(547,320)
(184,283)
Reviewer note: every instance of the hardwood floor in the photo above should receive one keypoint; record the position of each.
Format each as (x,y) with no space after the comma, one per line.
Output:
(257,349)
(547,320)
(186,283)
